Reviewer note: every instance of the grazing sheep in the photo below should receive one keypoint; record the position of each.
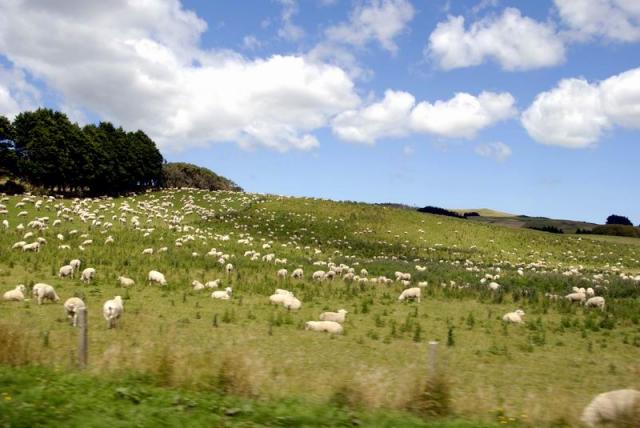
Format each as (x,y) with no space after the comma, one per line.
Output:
(595,302)
(338,317)
(197,285)
(222,295)
(71,306)
(576,297)
(34,246)
(514,317)
(213,284)
(112,310)
(126,282)
(297,274)
(147,251)
(228,268)
(590,292)
(331,327)
(363,272)
(291,303)
(44,292)
(494,286)
(75,263)
(330,275)
(15,295)
(18,245)
(285,292)
(613,407)
(410,293)
(87,275)
(277,299)
(282,273)
(65,271)
(318,275)
(157,277)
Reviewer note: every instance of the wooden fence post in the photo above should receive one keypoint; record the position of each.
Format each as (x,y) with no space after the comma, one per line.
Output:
(82,342)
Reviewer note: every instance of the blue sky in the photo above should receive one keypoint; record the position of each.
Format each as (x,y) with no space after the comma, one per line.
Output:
(525,107)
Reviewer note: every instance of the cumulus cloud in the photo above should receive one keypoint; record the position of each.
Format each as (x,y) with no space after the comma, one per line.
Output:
(16,93)
(514,41)
(139,64)
(397,115)
(497,151)
(576,112)
(617,20)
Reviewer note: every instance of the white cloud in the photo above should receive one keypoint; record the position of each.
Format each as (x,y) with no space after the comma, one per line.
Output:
(289,30)
(497,151)
(514,41)
(576,113)
(16,93)
(464,115)
(250,42)
(397,115)
(617,20)
(138,64)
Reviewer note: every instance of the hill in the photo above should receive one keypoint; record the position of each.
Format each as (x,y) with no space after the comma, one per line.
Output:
(177,353)
(180,174)
(484,212)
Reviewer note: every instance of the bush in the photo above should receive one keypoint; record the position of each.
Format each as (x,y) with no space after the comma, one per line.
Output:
(619,219)
(617,230)
(550,229)
(439,211)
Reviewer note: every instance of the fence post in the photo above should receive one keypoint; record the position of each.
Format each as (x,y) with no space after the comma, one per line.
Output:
(82,342)
(433,359)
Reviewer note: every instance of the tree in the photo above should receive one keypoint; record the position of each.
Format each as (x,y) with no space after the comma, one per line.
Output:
(8,158)
(618,219)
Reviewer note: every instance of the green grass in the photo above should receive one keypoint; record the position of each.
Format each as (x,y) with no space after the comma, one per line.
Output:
(541,373)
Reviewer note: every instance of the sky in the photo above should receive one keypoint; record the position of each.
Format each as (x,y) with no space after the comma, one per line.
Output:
(525,107)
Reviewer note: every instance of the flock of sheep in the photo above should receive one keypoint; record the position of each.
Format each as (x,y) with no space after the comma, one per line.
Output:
(93,213)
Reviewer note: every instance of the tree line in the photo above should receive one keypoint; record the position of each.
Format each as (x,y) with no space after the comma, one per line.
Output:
(45,149)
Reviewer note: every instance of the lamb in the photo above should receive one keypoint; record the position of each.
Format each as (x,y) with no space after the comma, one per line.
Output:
(44,292)
(338,317)
(197,285)
(595,302)
(75,263)
(318,275)
(330,275)
(612,407)
(34,246)
(87,275)
(213,284)
(126,282)
(576,297)
(71,306)
(157,277)
(410,293)
(65,271)
(112,310)
(147,251)
(222,295)
(228,268)
(282,273)
(590,292)
(331,327)
(297,274)
(514,317)
(15,295)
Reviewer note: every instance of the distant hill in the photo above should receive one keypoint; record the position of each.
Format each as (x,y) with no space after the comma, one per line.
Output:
(181,174)
(484,212)
(523,221)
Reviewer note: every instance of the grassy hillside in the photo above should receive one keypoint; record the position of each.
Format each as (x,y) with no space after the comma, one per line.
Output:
(484,212)
(539,373)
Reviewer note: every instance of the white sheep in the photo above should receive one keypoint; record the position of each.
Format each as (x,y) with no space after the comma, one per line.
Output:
(126,282)
(494,286)
(15,295)
(75,263)
(34,246)
(222,295)
(228,268)
(282,273)
(43,292)
(612,407)
(88,274)
(297,273)
(285,292)
(576,297)
(318,275)
(514,317)
(590,292)
(197,285)
(292,303)
(331,327)
(212,284)
(65,271)
(338,317)
(410,293)
(157,277)
(147,251)
(112,310)
(71,306)
(595,302)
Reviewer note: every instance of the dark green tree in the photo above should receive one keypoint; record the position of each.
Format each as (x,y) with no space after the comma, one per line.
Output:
(8,158)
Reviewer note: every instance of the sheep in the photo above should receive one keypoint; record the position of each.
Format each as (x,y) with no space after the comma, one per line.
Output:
(213,284)
(363,272)
(15,295)
(595,302)
(494,286)
(228,268)
(197,285)
(590,292)
(222,295)
(318,275)
(297,274)
(291,303)
(157,277)
(410,293)
(576,297)
(126,282)
(34,246)
(75,263)
(112,310)
(18,245)
(613,407)
(338,317)
(514,317)
(87,275)
(44,292)
(147,251)
(282,273)
(330,275)
(277,299)
(71,307)
(65,271)
(331,327)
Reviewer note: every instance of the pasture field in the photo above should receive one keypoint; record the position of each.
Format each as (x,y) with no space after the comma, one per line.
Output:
(541,373)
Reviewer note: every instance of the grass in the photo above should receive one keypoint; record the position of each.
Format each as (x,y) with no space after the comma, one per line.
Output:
(541,373)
